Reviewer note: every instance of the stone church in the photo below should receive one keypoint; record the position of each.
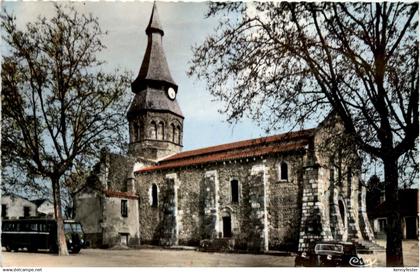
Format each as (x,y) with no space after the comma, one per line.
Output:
(280,192)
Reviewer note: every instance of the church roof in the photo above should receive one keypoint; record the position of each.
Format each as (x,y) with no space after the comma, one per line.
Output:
(286,142)
(154,22)
(154,68)
(153,100)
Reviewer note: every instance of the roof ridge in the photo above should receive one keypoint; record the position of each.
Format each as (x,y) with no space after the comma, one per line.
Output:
(236,145)
(223,156)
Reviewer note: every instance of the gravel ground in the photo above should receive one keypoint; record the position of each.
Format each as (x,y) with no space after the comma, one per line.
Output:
(176,258)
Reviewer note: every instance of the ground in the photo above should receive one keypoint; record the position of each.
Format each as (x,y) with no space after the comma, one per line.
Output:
(153,257)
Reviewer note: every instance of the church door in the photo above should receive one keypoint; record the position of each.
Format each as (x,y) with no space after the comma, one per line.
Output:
(227,227)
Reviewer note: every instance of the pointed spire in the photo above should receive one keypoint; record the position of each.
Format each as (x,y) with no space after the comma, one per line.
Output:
(154,22)
(154,67)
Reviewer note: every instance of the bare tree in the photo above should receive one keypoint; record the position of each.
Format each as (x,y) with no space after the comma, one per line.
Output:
(59,107)
(294,62)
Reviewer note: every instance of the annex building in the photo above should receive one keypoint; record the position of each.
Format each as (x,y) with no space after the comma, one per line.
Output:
(273,193)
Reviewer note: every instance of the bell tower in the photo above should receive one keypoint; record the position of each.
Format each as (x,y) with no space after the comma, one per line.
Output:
(155,119)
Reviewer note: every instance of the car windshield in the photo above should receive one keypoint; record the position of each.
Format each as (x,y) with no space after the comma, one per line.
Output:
(67,227)
(324,248)
(72,227)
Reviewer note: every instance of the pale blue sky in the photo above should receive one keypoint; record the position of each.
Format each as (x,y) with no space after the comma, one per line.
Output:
(184,25)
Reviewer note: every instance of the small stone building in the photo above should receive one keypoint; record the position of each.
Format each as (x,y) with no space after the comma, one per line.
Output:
(15,206)
(280,192)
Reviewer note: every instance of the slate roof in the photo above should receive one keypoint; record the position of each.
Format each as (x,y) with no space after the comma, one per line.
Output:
(286,142)
(154,68)
(154,22)
(155,100)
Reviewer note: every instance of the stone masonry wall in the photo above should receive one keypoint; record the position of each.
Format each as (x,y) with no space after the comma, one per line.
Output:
(154,146)
(150,217)
(314,221)
(331,208)
(204,198)
(88,210)
(209,206)
(115,225)
(253,219)
(285,203)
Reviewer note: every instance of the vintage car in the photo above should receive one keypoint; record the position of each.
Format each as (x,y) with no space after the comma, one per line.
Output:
(40,233)
(330,253)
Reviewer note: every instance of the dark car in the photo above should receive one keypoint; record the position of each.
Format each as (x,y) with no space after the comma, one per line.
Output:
(330,254)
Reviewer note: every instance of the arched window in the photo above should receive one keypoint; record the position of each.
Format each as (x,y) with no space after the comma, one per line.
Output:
(178,129)
(154,195)
(161,131)
(135,132)
(153,130)
(284,171)
(173,132)
(176,135)
(234,187)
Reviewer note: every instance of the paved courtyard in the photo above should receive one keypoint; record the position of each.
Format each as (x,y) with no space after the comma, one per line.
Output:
(160,257)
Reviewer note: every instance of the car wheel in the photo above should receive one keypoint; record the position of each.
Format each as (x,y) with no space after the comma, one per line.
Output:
(8,248)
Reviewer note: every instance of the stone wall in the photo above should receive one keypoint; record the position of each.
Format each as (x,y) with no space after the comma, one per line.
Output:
(88,211)
(116,227)
(267,214)
(153,144)
(331,193)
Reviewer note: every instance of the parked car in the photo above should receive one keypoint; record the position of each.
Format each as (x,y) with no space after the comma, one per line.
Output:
(330,253)
(40,233)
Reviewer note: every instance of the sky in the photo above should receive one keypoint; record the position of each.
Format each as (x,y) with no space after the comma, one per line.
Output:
(185,25)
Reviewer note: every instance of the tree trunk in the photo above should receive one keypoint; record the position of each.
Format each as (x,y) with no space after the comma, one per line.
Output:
(394,253)
(61,239)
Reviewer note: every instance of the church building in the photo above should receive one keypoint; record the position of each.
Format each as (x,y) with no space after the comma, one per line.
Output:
(280,192)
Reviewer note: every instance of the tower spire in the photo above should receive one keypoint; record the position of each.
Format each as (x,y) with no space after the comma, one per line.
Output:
(155,119)
(154,22)
(154,68)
